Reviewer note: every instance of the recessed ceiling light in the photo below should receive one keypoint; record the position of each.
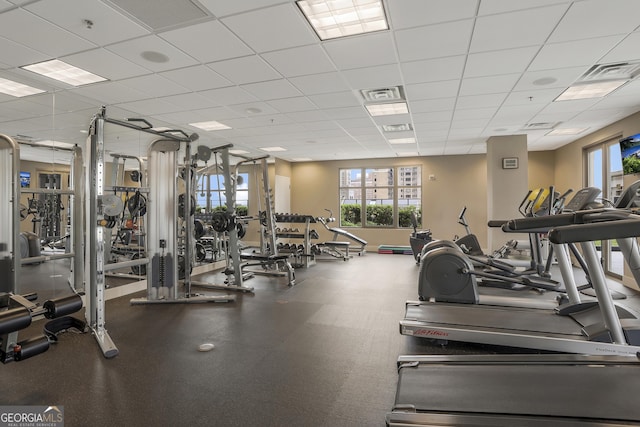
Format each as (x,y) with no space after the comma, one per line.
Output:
(210,125)
(238,152)
(301,159)
(567,131)
(270,149)
(402,141)
(387,109)
(340,18)
(253,110)
(16,89)
(544,81)
(400,127)
(153,56)
(63,72)
(590,90)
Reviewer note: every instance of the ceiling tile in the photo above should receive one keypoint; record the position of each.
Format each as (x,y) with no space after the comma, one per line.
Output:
(249,69)
(319,83)
(491,7)
(273,89)
(16,55)
(229,95)
(293,104)
(373,77)
(481,101)
(196,78)
(433,70)
(335,100)
(153,85)
(150,107)
(207,42)
(434,41)
(41,36)
(587,19)
(363,51)
(574,53)
(292,29)
(71,14)
(545,79)
(187,101)
(443,89)
(626,50)
(430,105)
(109,93)
(487,85)
(504,31)
(222,8)
(105,64)
(414,13)
(134,49)
(298,61)
(499,62)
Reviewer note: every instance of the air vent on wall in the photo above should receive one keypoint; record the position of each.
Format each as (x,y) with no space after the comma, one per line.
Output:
(540,126)
(387,94)
(613,71)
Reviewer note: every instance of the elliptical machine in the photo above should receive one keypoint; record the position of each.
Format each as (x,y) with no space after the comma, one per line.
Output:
(448,274)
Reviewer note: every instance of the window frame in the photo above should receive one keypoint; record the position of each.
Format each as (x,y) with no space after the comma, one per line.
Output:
(347,187)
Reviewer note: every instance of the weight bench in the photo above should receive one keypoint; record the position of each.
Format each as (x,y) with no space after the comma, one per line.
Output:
(337,232)
(267,262)
(19,313)
(339,250)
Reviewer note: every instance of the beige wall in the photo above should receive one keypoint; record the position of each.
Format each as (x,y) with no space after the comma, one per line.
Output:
(457,181)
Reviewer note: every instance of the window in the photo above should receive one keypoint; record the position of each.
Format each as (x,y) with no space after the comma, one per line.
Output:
(377,197)
(211,197)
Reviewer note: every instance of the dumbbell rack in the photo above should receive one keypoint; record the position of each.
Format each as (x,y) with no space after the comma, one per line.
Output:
(301,258)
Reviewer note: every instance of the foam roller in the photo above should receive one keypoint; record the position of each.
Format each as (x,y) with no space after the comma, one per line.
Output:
(62,306)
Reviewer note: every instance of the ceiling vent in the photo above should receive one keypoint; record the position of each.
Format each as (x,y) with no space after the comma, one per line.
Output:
(165,14)
(540,126)
(613,71)
(400,127)
(387,94)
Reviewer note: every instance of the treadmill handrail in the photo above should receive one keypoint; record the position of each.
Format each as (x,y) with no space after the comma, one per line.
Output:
(607,230)
(546,223)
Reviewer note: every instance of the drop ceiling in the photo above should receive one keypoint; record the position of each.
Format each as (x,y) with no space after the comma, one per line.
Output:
(469,69)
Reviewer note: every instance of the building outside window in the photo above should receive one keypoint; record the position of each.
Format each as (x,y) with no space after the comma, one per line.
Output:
(211,197)
(377,197)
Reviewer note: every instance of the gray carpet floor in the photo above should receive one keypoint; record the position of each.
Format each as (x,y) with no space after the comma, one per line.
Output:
(321,353)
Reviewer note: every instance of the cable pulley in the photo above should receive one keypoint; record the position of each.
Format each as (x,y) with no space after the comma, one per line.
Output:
(181,200)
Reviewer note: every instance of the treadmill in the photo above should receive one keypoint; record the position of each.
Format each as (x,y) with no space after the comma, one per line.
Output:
(599,327)
(516,390)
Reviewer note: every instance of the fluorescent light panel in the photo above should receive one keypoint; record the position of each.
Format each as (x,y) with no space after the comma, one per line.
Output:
(402,141)
(387,109)
(271,149)
(238,152)
(590,90)
(9,87)
(567,131)
(63,72)
(210,125)
(341,18)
